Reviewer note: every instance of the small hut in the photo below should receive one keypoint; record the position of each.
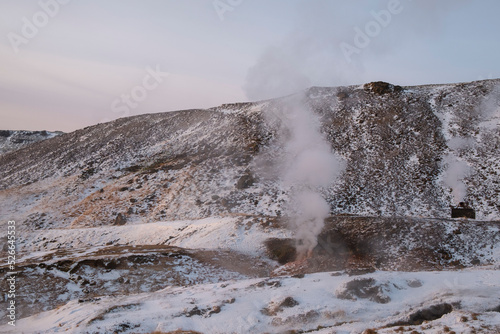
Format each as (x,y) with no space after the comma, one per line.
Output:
(463,210)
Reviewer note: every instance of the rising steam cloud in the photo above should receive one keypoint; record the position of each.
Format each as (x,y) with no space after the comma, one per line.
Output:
(310,55)
(455,173)
(487,115)
(307,165)
(457,169)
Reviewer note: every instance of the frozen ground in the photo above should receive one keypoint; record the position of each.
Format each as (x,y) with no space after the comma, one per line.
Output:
(14,140)
(465,301)
(170,222)
(215,276)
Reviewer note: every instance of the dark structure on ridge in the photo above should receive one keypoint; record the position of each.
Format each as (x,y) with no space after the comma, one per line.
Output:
(463,210)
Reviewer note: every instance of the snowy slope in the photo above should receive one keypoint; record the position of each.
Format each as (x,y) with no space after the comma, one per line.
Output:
(59,265)
(13,140)
(198,163)
(173,221)
(388,302)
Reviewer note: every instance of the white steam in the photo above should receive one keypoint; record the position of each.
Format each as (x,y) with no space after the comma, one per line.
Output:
(487,114)
(307,166)
(455,173)
(310,213)
(457,169)
(489,110)
(310,161)
(311,54)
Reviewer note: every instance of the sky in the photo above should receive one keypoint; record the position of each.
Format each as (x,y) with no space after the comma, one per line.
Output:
(67,64)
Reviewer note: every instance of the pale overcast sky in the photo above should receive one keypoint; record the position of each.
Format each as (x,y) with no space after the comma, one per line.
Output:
(67,64)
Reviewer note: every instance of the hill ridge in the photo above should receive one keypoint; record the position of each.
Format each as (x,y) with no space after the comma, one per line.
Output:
(196,163)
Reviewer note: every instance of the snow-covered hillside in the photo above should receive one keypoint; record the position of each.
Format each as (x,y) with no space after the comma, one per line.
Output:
(180,221)
(197,163)
(13,140)
(322,303)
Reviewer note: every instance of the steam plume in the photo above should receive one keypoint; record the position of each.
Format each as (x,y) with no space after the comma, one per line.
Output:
(455,174)
(489,110)
(487,115)
(308,164)
(310,55)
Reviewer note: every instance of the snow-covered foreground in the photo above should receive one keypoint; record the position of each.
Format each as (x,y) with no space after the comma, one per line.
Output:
(170,222)
(238,233)
(213,275)
(462,301)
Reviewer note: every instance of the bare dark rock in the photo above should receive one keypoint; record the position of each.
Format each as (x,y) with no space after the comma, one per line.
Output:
(194,311)
(341,95)
(120,220)
(289,302)
(133,169)
(268,282)
(495,309)
(380,87)
(13,140)
(414,283)
(245,181)
(426,314)
(281,250)
(359,271)
(298,276)
(207,312)
(365,288)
